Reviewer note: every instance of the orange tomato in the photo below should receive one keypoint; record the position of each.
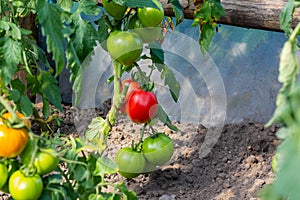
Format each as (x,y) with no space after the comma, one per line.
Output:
(12,140)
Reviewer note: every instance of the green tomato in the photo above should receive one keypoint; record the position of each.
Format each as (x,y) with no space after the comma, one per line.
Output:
(3,174)
(13,165)
(23,187)
(158,149)
(125,47)
(151,17)
(115,10)
(131,163)
(148,34)
(46,161)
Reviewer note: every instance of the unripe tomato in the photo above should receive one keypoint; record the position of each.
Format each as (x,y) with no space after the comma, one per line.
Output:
(13,166)
(12,141)
(132,87)
(115,10)
(125,47)
(46,161)
(3,175)
(141,106)
(158,149)
(148,34)
(23,187)
(151,17)
(131,163)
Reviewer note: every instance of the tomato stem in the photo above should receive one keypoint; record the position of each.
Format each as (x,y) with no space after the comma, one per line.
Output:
(116,104)
(14,118)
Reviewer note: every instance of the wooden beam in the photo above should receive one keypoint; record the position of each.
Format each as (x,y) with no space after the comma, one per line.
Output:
(259,14)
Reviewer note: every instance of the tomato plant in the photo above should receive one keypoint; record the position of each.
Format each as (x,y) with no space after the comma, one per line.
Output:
(125,47)
(115,10)
(158,149)
(141,106)
(25,187)
(131,163)
(4,174)
(150,16)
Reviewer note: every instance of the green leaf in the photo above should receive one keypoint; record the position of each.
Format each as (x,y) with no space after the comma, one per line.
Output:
(94,129)
(10,57)
(288,66)
(171,82)
(286,17)
(73,62)
(177,10)
(25,105)
(206,36)
(127,194)
(66,4)
(137,4)
(84,37)
(105,166)
(49,87)
(156,52)
(89,7)
(52,27)
(164,118)
(287,180)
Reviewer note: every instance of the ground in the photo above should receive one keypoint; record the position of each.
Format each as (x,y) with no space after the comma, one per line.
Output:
(236,168)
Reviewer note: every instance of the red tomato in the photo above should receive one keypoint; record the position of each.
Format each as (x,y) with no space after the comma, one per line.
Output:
(141,106)
(132,87)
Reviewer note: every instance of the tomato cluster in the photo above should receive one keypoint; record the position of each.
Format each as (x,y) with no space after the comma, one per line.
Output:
(156,150)
(126,46)
(24,163)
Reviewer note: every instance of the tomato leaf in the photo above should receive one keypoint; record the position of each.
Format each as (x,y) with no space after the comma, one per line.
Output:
(289,152)
(164,118)
(137,4)
(90,7)
(286,17)
(49,87)
(206,36)
(10,57)
(156,52)
(177,10)
(104,166)
(127,194)
(52,26)
(84,36)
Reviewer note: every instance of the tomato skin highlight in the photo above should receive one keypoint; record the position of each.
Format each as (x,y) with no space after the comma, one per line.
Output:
(23,187)
(125,47)
(151,17)
(158,149)
(3,175)
(115,10)
(131,163)
(141,106)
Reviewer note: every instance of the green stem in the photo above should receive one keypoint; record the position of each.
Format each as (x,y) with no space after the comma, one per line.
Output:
(114,111)
(9,109)
(295,32)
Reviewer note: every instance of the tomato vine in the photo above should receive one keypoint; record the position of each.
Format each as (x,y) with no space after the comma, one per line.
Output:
(75,168)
